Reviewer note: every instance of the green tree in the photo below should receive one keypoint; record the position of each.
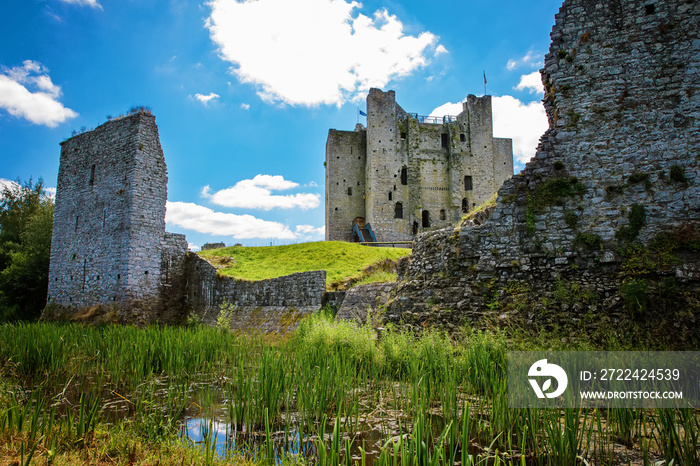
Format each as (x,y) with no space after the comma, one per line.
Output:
(26,222)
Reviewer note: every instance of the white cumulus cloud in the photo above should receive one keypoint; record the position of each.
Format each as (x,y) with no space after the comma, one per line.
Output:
(92,3)
(9,184)
(310,233)
(448,108)
(193,247)
(205,99)
(245,106)
(310,230)
(310,52)
(531,82)
(39,105)
(257,194)
(204,220)
(530,59)
(522,122)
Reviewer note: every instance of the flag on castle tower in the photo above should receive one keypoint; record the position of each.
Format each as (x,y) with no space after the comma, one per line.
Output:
(484,77)
(361,112)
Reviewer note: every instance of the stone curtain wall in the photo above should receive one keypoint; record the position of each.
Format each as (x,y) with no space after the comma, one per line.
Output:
(273,305)
(602,225)
(207,246)
(359,300)
(110,215)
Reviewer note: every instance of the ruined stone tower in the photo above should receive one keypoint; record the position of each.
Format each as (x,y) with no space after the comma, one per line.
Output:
(109,242)
(406,173)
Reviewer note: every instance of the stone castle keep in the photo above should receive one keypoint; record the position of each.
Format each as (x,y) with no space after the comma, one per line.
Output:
(404,174)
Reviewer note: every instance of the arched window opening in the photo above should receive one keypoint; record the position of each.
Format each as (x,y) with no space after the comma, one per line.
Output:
(442,214)
(404,176)
(426,219)
(398,210)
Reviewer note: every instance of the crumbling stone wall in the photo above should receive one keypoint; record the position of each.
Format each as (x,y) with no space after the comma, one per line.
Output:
(208,246)
(273,305)
(359,300)
(404,174)
(602,225)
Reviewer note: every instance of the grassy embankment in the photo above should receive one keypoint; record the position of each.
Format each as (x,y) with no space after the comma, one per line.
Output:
(117,395)
(344,263)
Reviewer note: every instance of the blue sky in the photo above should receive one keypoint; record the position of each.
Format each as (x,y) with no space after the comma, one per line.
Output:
(244,92)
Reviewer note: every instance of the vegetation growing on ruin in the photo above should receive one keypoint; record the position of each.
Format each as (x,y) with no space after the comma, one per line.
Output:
(489,203)
(341,261)
(550,192)
(571,219)
(553,190)
(588,241)
(640,178)
(677,175)
(637,219)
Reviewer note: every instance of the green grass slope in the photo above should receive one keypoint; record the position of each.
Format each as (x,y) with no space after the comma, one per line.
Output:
(340,260)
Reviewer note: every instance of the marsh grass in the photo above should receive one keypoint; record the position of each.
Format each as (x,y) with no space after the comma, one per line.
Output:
(71,394)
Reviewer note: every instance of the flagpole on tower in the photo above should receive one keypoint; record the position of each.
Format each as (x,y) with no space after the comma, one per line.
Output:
(484,82)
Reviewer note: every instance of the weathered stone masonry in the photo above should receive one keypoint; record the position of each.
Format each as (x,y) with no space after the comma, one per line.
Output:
(273,305)
(110,250)
(109,223)
(613,183)
(405,174)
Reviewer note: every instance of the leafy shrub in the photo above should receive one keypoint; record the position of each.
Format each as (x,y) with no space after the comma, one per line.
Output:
(639,178)
(637,219)
(553,190)
(588,241)
(677,175)
(634,295)
(226,311)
